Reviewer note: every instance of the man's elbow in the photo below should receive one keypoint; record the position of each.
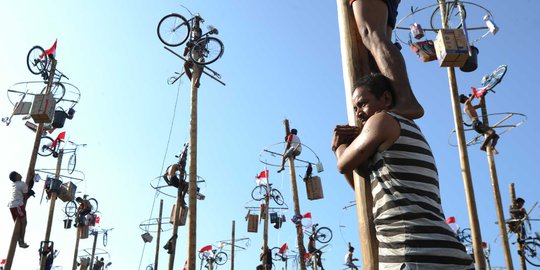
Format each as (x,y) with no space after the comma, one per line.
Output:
(343,168)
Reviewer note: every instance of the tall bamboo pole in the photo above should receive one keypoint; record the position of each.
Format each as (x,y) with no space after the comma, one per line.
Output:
(192,225)
(29,174)
(265,230)
(51,210)
(232,246)
(76,252)
(349,42)
(464,159)
(520,244)
(497,195)
(93,249)
(158,234)
(294,188)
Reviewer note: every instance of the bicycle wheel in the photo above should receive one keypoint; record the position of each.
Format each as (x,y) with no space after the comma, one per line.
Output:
(58,90)
(94,204)
(323,235)
(275,254)
(201,256)
(36,60)
(465,236)
(278,198)
(72,163)
(221,258)
(495,77)
(206,51)
(258,193)
(45,146)
(532,250)
(173,30)
(70,209)
(453,18)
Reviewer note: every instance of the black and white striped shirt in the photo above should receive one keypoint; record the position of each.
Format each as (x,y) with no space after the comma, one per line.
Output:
(408,217)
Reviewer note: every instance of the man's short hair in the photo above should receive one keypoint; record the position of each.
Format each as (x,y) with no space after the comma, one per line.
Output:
(294,131)
(520,200)
(463,98)
(13,176)
(377,85)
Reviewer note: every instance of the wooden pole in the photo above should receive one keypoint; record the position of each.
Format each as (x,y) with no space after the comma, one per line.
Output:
(51,210)
(464,160)
(232,246)
(520,244)
(497,195)
(75,253)
(265,231)
(93,250)
(158,234)
(294,188)
(29,175)
(192,225)
(349,42)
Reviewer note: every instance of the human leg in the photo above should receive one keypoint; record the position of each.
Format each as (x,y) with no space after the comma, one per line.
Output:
(372,21)
(22,232)
(187,68)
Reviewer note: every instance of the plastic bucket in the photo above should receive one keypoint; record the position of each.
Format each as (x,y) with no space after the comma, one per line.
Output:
(472,61)
(67,223)
(59,119)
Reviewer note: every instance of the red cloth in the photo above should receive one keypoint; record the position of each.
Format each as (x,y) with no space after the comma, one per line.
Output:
(263,174)
(283,248)
(289,137)
(205,248)
(450,220)
(52,49)
(307,215)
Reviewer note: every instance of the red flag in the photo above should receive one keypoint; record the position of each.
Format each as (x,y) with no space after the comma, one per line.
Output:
(450,220)
(3,261)
(484,245)
(61,137)
(205,248)
(52,49)
(262,178)
(307,215)
(98,219)
(283,249)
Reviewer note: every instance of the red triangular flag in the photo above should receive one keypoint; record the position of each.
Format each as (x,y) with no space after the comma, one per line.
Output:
(61,136)
(450,220)
(205,248)
(283,249)
(52,49)
(307,215)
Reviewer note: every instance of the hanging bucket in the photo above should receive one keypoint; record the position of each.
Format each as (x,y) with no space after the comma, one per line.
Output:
(70,113)
(67,223)
(472,61)
(59,119)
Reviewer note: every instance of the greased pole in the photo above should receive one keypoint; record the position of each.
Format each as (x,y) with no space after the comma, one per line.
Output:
(265,231)
(497,195)
(76,252)
(294,188)
(349,42)
(158,234)
(464,159)
(232,245)
(54,196)
(29,174)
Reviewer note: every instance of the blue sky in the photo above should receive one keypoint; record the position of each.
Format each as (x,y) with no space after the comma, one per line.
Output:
(282,60)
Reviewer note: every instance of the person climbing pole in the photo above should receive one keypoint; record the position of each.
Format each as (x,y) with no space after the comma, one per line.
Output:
(84,209)
(391,151)
(477,125)
(375,20)
(350,259)
(196,33)
(518,214)
(266,259)
(17,204)
(175,175)
(315,253)
(293,148)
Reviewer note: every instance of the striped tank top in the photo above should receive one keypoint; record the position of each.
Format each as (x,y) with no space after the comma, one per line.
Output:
(407,211)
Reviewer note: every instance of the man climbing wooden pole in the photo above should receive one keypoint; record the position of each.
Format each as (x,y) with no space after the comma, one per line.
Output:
(464,159)
(265,231)
(30,173)
(156,260)
(497,195)
(54,190)
(294,188)
(518,232)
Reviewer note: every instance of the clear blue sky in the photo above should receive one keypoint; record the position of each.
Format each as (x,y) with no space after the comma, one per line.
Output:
(282,60)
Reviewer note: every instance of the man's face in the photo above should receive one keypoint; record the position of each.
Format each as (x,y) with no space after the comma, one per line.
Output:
(365,104)
(18,177)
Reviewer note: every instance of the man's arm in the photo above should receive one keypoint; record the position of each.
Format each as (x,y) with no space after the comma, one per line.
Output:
(379,132)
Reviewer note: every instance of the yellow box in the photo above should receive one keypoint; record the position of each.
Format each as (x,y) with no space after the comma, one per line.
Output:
(451,48)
